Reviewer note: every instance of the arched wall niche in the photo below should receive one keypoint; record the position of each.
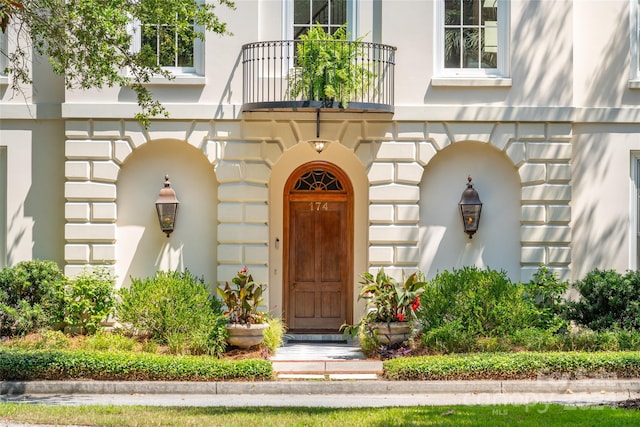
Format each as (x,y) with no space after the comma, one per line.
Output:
(443,243)
(142,248)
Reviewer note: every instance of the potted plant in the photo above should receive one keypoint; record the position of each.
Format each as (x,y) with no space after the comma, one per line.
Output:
(329,68)
(392,306)
(246,322)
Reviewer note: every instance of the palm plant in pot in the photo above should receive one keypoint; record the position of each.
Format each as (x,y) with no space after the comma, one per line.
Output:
(246,321)
(392,306)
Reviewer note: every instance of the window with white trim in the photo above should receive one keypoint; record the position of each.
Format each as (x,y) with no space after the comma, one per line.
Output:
(300,15)
(634,247)
(635,40)
(176,53)
(3,207)
(472,38)
(4,51)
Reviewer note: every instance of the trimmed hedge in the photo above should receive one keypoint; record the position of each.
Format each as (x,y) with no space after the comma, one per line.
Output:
(21,365)
(511,366)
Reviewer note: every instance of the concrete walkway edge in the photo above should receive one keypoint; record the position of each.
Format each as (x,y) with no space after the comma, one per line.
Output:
(321,387)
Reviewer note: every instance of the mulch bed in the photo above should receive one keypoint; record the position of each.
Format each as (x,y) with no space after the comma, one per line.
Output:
(627,404)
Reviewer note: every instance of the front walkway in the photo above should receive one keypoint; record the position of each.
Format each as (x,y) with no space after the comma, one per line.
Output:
(305,359)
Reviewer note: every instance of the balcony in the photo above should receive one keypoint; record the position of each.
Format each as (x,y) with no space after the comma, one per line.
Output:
(291,75)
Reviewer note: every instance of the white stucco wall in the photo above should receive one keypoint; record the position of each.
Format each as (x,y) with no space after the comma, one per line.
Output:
(604,197)
(34,189)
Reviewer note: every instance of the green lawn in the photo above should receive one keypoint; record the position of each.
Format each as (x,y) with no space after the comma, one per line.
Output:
(493,416)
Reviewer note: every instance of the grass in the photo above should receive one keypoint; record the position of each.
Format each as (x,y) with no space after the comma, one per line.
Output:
(493,416)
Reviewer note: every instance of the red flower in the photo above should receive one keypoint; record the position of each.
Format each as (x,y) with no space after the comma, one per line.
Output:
(416,303)
(400,317)
(243,271)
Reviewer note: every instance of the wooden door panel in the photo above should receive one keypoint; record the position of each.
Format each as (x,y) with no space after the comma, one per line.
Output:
(302,246)
(331,307)
(331,245)
(304,304)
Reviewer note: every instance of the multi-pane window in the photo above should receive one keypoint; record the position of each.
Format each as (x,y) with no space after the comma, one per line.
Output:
(472,37)
(636,35)
(636,243)
(330,14)
(3,52)
(471,34)
(3,206)
(170,48)
(635,41)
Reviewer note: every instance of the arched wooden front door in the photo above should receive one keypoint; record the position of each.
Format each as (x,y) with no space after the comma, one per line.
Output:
(318,249)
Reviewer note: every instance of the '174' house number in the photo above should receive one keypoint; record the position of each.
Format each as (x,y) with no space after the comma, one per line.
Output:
(317,206)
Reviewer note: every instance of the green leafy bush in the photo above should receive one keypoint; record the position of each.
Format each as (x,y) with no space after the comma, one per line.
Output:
(274,335)
(108,341)
(21,365)
(628,340)
(177,309)
(536,339)
(449,337)
(484,302)
(608,300)
(546,292)
(609,340)
(510,366)
(89,299)
(30,297)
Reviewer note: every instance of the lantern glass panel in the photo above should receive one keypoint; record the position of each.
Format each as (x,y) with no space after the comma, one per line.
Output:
(167,215)
(470,216)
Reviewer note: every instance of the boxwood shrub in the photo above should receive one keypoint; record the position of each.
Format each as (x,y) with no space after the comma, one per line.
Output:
(511,366)
(30,297)
(24,365)
(608,300)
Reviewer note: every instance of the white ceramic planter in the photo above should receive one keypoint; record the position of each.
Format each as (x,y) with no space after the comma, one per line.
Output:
(392,333)
(246,335)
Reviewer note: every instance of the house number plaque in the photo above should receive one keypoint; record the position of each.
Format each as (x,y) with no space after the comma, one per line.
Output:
(317,206)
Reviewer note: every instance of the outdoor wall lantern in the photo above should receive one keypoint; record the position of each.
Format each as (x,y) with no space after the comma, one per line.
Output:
(470,209)
(319,144)
(167,207)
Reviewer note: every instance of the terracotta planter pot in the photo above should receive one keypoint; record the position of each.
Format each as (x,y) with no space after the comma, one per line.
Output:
(246,335)
(392,333)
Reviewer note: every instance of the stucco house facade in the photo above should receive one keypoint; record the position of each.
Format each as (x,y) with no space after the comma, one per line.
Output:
(546,122)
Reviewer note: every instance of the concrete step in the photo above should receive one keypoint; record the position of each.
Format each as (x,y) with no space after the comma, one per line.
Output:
(326,367)
(319,359)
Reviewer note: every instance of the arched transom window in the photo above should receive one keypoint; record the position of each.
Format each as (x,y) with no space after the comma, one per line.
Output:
(318,180)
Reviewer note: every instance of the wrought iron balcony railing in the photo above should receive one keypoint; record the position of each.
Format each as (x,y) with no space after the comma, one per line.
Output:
(296,74)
